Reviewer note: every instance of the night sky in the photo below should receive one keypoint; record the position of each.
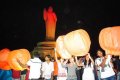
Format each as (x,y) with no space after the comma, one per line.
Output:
(22,24)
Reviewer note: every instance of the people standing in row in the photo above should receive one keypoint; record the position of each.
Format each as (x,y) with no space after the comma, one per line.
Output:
(69,69)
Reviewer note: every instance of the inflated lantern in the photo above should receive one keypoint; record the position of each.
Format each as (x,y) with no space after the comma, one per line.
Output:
(60,48)
(116,53)
(3,59)
(109,40)
(21,55)
(77,42)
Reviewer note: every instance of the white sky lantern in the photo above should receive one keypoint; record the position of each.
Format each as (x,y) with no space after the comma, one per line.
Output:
(77,42)
(60,48)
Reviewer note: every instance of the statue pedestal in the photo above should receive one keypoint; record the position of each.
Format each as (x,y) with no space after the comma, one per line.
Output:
(45,48)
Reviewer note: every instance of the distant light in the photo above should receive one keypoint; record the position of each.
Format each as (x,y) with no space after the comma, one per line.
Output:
(66,10)
(79,22)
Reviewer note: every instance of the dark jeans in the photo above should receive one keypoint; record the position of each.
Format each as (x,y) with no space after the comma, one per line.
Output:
(55,77)
(79,73)
(110,78)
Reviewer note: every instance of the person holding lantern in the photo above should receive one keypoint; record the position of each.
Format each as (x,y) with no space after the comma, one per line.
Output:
(71,66)
(80,68)
(106,68)
(33,66)
(100,57)
(61,71)
(88,68)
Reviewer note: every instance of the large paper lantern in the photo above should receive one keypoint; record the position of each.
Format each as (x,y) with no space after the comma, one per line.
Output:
(109,40)
(60,48)
(77,42)
(22,55)
(3,59)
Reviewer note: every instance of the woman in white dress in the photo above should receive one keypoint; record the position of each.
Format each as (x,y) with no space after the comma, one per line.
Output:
(88,68)
(62,72)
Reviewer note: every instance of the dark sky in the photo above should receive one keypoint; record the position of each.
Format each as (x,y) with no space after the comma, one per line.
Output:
(22,24)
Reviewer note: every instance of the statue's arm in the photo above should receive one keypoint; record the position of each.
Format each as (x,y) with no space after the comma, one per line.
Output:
(55,17)
(45,14)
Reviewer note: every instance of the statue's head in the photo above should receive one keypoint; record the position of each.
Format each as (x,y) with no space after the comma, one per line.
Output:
(50,9)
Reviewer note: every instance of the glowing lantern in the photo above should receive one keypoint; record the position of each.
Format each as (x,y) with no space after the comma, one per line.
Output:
(22,55)
(4,54)
(60,48)
(109,40)
(77,42)
(3,59)
(116,53)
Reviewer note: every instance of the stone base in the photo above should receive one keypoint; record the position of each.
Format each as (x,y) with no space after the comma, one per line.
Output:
(45,48)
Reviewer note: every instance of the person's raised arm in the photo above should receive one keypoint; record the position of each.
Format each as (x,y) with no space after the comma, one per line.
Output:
(64,64)
(104,61)
(55,55)
(45,14)
(91,58)
(25,66)
(55,17)
(76,61)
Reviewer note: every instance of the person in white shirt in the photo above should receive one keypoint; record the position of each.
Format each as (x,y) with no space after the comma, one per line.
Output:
(35,67)
(47,68)
(97,60)
(106,68)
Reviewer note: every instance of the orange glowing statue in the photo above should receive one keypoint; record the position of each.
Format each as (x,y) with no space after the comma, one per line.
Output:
(50,22)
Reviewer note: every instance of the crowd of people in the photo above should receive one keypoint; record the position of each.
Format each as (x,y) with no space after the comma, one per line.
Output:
(103,67)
